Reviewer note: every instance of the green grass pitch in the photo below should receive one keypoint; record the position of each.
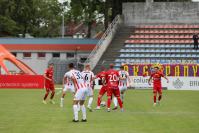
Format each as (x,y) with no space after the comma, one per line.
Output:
(21,111)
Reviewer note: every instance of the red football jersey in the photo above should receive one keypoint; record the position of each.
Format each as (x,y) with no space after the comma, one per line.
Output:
(102,76)
(157,77)
(112,78)
(49,73)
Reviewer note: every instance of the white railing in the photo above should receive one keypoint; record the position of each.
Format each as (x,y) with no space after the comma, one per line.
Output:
(103,43)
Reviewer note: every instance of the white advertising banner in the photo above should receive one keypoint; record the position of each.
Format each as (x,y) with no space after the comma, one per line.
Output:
(183,83)
(175,83)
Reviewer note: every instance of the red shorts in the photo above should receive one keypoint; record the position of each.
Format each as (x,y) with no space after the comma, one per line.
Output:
(113,91)
(49,86)
(157,89)
(103,90)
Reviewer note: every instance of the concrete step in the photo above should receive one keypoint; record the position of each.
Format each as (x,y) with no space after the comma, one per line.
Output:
(112,52)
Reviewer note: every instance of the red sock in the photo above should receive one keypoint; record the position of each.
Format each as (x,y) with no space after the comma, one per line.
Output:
(46,95)
(109,103)
(98,101)
(160,97)
(52,95)
(154,99)
(120,102)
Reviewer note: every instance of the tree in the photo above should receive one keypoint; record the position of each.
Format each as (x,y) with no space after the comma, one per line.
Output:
(85,11)
(40,18)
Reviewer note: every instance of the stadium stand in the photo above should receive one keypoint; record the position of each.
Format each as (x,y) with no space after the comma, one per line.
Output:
(160,43)
(152,44)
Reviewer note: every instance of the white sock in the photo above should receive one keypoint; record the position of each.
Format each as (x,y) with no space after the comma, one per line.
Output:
(115,101)
(122,97)
(78,107)
(75,111)
(83,112)
(90,101)
(62,101)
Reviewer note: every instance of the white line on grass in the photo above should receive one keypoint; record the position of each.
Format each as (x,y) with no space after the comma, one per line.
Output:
(162,113)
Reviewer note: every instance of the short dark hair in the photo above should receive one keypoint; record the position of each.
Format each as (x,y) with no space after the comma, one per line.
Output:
(51,64)
(71,65)
(122,67)
(111,65)
(156,67)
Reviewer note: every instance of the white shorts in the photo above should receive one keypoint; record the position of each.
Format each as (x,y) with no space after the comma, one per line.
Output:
(81,94)
(123,88)
(90,91)
(69,88)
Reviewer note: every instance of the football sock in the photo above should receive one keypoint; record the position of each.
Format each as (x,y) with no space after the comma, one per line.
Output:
(52,95)
(78,107)
(120,102)
(62,101)
(108,102)
(160,97)
(98,101)
(115,101)
(90,101)
(154,99)
(75,111)
(83,112)
(122,97)
(46,95)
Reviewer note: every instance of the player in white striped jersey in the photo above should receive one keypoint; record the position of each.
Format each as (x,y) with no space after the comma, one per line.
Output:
(88,76)
(123,83)
(80,92)
(67,86)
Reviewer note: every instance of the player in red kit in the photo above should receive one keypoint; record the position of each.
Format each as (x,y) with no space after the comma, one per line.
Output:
(112,79)
(157,86)
(49,83)
(102,77)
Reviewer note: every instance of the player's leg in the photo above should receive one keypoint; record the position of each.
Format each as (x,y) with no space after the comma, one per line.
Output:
(100,95)
(77,98)
(109,95)
(90,100)
(160,94)
(46,94)
(75,110)
(115,103)
(154,96)
(82,100)
(116,93)
(62,98)
(122,92)
(52,88)
(83,109)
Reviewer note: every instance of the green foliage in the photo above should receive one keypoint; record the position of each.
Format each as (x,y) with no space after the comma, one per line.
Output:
(40,18)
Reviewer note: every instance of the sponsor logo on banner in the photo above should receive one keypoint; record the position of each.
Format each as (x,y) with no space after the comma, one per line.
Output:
(22,81)
(175,83)
(178,84)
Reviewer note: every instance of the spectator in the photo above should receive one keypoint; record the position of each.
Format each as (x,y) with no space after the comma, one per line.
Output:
(195,40)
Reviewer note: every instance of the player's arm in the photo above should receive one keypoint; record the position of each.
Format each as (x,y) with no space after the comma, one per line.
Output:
(166,78)
(46,77)
(129,80)
(93,77)
(128,77)
(122,78)
(149,81)
(64,81)
(75,83)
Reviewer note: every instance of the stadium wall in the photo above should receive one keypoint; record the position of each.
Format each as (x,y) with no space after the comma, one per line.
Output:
(161,12)
(78,48)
